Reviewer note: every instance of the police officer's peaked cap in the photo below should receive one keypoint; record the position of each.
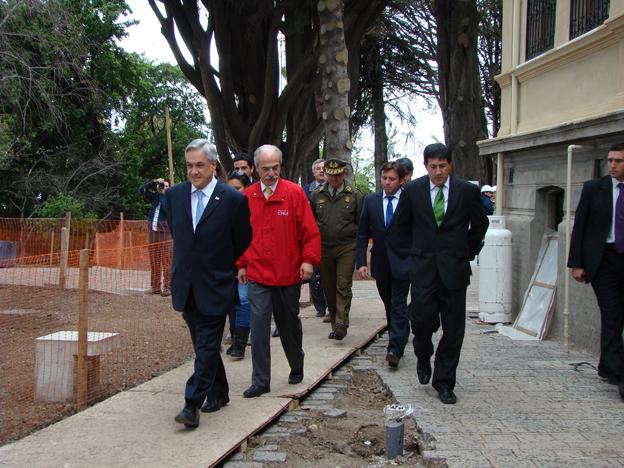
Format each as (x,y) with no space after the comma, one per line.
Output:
(335,166)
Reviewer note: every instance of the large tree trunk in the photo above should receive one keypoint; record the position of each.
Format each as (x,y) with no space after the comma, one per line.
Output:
(379,116)
(336,84)
(461,100)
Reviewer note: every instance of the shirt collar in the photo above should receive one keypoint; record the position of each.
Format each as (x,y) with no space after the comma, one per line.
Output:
(446,184)
(273,187)
(208,189)
(397,194)
(615,182)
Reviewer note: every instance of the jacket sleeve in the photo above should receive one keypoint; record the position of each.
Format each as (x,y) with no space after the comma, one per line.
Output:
(363,234)
(575,256)
(309,235)
(478,221)
(169,213)
(403,216)
(147,190)
(241,228)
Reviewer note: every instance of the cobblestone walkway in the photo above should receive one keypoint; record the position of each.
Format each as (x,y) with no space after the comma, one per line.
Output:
(520,403)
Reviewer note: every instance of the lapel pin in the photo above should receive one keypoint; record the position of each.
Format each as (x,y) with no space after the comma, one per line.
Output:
(216,198)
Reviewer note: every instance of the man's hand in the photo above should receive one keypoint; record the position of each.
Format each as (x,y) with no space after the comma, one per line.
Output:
(363,272)
(578,274)
(242,276)
(305,272)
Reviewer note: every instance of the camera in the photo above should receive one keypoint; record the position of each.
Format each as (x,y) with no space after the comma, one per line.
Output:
(160,185)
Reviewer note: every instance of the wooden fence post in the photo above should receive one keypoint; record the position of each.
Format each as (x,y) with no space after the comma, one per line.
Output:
(83,330)
(64,257)
(121,261)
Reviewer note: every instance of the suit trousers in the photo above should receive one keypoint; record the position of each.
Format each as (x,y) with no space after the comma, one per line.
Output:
(160,259)
(393,294)
(316,291)
(608,286)
(430,306)
(283,303)
(208,381)
(337,267)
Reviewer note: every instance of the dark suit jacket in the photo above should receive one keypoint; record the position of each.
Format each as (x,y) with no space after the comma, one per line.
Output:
(447,249)
(391,247)
(204,260)
(592,223)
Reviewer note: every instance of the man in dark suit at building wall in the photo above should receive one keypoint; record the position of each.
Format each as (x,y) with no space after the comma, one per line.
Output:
(445,217)
(389,263)
(209,223)
(597,257)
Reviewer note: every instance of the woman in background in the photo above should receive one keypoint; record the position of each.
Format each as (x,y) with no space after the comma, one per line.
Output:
(239,317)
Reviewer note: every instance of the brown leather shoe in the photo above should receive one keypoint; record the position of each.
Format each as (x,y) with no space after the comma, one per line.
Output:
(392,359)
(166,292)
(327,319)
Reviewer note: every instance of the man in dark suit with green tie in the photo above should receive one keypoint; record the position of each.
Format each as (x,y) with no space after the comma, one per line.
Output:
(445,217)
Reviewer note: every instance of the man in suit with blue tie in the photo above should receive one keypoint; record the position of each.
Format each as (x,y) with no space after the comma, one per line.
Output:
(597,257)
(445,217)
(389,256)
(209,223)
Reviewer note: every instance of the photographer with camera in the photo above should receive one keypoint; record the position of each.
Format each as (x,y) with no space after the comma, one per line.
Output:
(153,192)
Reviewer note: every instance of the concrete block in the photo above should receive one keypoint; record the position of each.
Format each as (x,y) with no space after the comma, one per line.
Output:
(55,362)
(269,457)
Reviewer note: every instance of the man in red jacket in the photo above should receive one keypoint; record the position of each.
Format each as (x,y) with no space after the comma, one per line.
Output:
(285,245)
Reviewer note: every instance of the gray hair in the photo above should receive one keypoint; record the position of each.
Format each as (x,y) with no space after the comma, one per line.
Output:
(316,163)
(209,150)
(267,148)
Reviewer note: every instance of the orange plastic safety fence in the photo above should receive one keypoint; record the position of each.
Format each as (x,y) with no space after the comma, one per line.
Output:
(133,332)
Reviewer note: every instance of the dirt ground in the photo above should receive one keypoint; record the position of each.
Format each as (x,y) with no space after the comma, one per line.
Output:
(351,441)
(154,339)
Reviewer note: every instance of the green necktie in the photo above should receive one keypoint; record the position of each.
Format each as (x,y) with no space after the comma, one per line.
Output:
(438,206)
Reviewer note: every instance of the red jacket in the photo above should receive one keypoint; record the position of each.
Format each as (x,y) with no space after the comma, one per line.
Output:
(285,235)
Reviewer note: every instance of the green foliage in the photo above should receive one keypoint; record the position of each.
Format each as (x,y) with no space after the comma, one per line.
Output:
(57,205)
(363,173)
(79,116)
(142,151)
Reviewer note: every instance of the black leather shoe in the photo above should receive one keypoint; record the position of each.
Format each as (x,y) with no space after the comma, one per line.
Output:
(447,396)
(608,378)
(189,416)
(331,336)
(214,405)
(340,331)
(320,314)
(423,370)
(255,391)
(295,377)
(621,389)
(392,359)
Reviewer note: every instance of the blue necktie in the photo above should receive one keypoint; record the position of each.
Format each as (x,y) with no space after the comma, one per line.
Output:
(199,208)
(389,210)
(618,229)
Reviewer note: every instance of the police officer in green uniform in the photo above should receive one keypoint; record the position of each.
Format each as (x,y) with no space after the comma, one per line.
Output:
(337,206)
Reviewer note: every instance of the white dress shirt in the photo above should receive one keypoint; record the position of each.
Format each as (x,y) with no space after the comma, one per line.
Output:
(207,190)
(272,187)
(445,190)
(395,202)
(615,194)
